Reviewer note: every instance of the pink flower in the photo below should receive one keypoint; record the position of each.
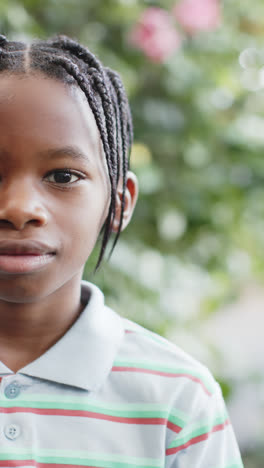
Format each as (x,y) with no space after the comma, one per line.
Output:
(197,15)
(155,34)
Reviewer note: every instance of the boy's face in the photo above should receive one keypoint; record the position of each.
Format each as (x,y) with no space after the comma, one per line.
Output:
(45,125)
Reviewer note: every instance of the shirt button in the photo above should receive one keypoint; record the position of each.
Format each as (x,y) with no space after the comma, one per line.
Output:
(12,431)
(12,390)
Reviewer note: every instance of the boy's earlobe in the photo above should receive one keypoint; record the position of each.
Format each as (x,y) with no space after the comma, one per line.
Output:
(131,195)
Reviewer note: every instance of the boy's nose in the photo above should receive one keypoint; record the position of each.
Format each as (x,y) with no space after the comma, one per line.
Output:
(20,205)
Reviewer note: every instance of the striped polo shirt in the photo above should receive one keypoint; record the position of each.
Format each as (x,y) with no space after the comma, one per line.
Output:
(112,394)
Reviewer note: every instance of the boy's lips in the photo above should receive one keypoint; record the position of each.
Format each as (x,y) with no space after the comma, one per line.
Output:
(24,256)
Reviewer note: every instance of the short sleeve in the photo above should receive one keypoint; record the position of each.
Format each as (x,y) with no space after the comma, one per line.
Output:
(207,440)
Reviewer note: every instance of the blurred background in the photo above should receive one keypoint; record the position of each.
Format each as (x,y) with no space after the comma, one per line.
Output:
(191,264)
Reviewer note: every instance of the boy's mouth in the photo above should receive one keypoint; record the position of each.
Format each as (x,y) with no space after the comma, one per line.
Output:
(24,256)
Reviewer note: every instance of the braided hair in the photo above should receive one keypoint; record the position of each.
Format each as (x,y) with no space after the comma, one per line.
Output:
(66,60)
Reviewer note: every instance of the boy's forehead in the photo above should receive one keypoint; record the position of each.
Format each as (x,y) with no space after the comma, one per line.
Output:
(42,91)
(56,110)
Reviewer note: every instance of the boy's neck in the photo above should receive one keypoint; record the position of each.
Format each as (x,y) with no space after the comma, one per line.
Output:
(29,330)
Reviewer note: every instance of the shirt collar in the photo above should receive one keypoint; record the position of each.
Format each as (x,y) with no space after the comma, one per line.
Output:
(84,356)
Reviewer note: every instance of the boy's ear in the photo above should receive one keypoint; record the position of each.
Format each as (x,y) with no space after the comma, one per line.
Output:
(131,195)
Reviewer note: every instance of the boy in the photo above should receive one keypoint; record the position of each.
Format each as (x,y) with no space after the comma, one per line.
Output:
(81,386)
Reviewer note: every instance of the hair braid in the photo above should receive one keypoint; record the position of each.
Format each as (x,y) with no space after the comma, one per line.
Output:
(65,43)
(126,123)
(117,129)
(109,115)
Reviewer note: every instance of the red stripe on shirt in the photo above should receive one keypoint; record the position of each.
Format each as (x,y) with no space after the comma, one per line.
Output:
(89,414)
(197,439)
(85,414)
(173,427)
(16,463)
(161,373)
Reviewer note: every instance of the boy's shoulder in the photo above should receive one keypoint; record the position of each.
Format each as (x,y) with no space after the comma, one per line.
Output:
(147,352)
(143,360)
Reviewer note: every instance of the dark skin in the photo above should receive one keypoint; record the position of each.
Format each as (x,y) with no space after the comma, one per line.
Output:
(39,116)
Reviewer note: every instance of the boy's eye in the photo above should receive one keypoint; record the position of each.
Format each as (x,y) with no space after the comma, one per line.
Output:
(63,176)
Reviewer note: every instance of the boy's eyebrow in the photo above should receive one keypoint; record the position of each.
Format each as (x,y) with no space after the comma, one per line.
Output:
(72,151)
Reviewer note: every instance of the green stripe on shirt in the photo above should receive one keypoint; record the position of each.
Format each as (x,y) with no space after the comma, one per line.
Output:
(75,458)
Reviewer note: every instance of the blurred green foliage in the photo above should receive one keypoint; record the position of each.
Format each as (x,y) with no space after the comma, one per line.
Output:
(197,233)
